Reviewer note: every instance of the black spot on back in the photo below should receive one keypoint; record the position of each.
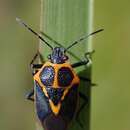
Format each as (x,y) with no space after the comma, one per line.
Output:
(47,76)
(65,77)
(55,94)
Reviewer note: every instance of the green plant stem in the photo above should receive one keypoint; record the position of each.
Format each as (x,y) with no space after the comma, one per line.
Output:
(65,21)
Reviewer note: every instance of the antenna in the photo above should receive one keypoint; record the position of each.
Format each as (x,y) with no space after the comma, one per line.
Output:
(51,39)
(82,38)
(25,25)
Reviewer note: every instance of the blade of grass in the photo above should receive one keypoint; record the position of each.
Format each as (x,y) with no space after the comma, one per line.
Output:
(65,21)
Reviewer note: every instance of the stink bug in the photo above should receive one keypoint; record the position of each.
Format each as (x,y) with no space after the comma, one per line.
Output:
(56,86)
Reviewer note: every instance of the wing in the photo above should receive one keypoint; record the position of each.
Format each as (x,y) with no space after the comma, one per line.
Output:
(69,104)
(41,102)
(48,120)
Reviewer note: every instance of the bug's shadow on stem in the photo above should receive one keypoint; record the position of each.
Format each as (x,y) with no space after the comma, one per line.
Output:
(85,88)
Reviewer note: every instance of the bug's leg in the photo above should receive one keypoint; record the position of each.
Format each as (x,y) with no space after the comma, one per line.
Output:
(87,80)
(34,58)
(35,67)
(84,62)
(84,97)
(30,94)
(84,79)
(89,53)
(80,63)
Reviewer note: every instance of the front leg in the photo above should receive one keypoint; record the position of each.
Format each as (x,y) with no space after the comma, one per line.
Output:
(87,81)
(84,79)
(84,62)
(80,63)
(35,67)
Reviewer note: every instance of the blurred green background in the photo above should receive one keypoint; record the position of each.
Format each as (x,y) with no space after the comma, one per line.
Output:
(110,101)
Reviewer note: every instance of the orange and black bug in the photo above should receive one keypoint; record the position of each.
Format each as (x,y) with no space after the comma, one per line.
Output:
(56,86)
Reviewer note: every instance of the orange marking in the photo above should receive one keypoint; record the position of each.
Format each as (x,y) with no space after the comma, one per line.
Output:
(64,94)
(55,83)
(56,108)
(37,78)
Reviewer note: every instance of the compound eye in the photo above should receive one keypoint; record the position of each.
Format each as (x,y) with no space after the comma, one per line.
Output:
(65,77)
(47,76)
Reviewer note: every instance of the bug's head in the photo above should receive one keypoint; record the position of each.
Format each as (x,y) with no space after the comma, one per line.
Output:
(58,55)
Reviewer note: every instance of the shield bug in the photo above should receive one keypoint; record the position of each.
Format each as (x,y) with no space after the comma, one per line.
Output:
(56,86)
